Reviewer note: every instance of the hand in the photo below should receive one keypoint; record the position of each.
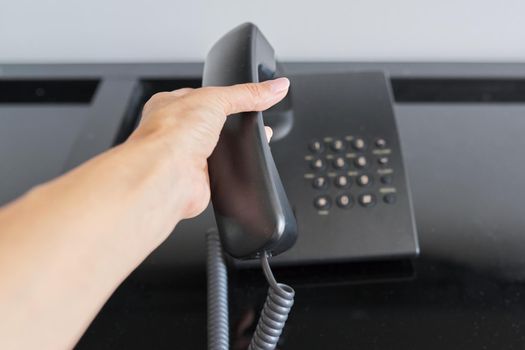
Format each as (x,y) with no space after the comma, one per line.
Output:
(189,121)
(67,244)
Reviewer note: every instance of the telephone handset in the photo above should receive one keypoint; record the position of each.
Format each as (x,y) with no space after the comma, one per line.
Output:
(251,208)
(253,214)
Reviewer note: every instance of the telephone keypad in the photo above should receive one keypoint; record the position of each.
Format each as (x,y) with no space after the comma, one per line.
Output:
(333,163)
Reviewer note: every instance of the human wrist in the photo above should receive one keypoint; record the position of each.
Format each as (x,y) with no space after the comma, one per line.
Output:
(167,168)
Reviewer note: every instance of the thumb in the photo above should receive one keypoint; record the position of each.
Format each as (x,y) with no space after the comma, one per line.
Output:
(246,97)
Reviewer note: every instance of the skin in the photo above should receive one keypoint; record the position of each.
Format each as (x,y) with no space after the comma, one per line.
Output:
(66,245)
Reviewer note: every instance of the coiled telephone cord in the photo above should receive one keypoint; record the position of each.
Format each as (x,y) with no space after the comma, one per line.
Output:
(273,316)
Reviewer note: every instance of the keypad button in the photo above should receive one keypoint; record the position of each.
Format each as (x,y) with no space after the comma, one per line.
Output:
(380,143)
(344,200)
(359,144)
(389,198)
(367,199)
(364,180)
(337,145)
(361,162)
(317,164)
(342,181)
(383,160)
(339,163)
(320,182)
(316,146)
(322,202)
(386,179)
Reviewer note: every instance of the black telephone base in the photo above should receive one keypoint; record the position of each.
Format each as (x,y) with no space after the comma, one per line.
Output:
(341,165)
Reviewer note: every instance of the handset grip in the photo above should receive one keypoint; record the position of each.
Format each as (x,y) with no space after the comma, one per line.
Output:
(251,208)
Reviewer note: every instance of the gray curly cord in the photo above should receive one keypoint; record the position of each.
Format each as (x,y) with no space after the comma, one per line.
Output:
(273,316)
(275,311)
(218,326)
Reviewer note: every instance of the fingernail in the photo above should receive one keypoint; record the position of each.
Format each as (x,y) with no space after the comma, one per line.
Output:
(279,84)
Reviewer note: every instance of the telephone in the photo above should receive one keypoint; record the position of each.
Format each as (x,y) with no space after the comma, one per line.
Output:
(337,151)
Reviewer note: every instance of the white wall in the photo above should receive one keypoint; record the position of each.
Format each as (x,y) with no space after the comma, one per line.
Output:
(175,30)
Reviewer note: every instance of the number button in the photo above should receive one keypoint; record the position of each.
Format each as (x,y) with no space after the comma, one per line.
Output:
(322,202)
(361,162)
(344,201)
(338,145)
(339,163)
(359,144)
(367,200)
(364,180)
(342,181)
(317,164)
(320,182)
(316,146)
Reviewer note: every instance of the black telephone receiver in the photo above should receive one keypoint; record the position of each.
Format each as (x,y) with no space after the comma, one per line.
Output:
(251,208)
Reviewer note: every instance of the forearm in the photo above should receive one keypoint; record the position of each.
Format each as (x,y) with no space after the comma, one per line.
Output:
(65,246)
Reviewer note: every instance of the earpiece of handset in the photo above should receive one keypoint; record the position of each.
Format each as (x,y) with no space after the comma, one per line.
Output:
(251,208)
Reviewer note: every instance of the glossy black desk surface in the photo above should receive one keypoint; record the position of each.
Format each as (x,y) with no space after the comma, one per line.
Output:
(446,306)
(465,164)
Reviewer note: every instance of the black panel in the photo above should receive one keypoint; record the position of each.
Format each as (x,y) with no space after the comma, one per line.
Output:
(47,91)
(458,90)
